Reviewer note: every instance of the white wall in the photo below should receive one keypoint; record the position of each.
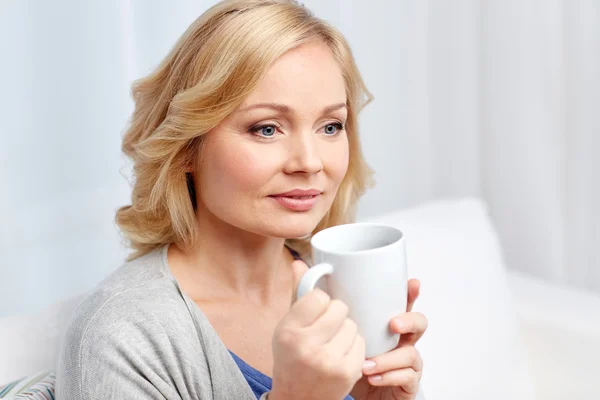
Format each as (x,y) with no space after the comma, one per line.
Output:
(63,105)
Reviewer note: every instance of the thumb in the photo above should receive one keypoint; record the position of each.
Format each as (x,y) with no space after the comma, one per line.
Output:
(299,268)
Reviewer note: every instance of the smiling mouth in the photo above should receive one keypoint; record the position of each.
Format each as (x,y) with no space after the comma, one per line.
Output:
(297,203)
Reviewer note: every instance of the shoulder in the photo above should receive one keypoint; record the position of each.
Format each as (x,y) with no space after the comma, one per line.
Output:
(134,320)
(138,291)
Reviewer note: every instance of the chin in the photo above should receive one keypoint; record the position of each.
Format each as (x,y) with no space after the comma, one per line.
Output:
(292,226)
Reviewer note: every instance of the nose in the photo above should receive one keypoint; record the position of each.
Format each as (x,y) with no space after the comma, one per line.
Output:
(304,154)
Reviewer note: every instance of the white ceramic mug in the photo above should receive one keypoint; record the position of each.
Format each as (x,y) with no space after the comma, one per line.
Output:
(365,267)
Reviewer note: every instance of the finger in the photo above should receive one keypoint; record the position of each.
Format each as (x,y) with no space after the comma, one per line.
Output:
(342,341)
(403,357)
(356,355)
(406,379)
(299,268)
(308,308)
(328,324)
(411,326)
(414,288)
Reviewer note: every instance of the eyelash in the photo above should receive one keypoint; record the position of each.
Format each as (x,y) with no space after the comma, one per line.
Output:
(254,130)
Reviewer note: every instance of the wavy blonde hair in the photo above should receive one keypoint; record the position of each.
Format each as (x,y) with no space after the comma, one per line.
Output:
(215,64)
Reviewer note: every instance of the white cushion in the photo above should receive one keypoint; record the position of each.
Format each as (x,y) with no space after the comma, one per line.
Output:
(472,349)
(561,327)
(30,343)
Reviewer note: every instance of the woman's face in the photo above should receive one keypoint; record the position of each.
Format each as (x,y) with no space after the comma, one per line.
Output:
(287,135)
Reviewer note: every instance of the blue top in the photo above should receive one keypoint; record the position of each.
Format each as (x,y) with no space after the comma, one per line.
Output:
(259,382)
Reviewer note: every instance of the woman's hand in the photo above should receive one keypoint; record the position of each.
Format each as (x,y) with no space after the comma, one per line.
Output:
(396,374)
(317,351)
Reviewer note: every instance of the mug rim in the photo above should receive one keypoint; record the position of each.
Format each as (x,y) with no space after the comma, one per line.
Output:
(316,236)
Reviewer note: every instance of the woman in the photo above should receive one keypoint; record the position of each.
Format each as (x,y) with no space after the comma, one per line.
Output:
(244,143)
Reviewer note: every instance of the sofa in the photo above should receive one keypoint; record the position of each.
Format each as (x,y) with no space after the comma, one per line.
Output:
(494,333)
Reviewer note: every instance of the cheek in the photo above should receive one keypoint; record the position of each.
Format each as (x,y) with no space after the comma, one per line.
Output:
(236,168)
(336,162)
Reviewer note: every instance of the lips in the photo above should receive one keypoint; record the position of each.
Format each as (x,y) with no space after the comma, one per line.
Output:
(298,199)
(300,193)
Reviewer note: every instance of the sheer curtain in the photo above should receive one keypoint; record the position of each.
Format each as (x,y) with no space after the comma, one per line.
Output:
(540,91)
(472,98)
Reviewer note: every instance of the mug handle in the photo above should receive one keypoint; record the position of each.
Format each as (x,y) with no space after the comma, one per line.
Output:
(312,276)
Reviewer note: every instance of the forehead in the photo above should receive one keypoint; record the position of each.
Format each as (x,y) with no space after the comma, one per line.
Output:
(306,78)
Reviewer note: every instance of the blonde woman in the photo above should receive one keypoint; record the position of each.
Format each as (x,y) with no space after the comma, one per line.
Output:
(244,143)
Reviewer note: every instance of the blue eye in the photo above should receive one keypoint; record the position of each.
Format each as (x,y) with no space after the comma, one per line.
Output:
(265,131)
(333,129)
(268,130)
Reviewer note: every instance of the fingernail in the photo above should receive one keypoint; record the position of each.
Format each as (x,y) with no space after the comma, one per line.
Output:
(375,378)
(368,365)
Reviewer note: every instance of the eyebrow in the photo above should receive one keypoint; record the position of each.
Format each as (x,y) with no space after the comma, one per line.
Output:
(282,108)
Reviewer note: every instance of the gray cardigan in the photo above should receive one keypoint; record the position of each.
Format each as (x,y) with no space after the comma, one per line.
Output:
(139,336)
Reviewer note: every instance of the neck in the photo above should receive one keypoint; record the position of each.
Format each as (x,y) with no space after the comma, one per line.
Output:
(229,264)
